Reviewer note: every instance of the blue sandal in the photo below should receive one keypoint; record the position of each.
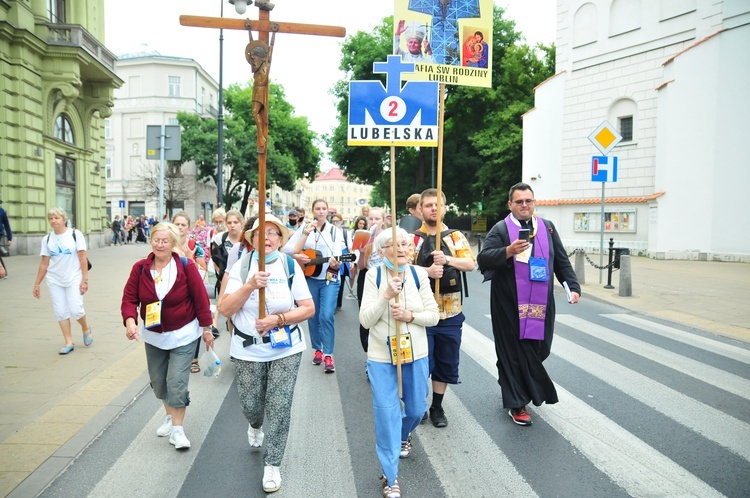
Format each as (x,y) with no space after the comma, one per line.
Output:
(67,349)
(87,338)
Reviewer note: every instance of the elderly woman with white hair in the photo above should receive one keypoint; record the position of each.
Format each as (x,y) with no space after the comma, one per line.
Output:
(65,265)
(166,291)
(416,309)
(267,350)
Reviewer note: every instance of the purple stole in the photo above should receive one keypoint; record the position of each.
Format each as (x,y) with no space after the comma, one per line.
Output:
(532,296)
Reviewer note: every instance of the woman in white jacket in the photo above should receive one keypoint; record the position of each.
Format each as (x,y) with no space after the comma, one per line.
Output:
(415,310)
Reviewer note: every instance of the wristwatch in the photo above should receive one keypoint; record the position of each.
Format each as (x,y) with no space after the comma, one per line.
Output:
(447,260)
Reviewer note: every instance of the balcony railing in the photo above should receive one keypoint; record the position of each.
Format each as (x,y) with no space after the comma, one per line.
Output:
(74,35)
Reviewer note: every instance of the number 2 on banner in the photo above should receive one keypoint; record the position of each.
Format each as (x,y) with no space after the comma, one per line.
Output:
(393,109)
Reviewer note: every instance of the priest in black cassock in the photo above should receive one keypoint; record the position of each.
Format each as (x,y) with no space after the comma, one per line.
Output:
(522,302)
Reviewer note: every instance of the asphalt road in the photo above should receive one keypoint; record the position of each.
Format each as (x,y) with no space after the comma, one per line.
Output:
(646,407)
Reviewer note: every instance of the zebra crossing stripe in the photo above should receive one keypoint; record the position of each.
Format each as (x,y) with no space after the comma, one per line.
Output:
(126,475)
(705,373)
(457,475)
(710,345)
(711,423)
(632,464)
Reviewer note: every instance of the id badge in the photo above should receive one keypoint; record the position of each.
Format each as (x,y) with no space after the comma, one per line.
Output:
(406,354)
(153,314)
(538,269)
(281,338)
(332,276)
(524,256)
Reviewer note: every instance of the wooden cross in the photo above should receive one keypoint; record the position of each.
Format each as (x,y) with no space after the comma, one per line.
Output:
(258,54)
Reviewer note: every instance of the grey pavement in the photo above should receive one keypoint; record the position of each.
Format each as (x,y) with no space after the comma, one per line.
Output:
(52,406)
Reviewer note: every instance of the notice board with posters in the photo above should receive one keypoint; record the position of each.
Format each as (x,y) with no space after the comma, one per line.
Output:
(449,42)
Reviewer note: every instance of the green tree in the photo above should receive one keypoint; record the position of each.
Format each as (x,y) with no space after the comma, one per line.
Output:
(482,126)
(292,149)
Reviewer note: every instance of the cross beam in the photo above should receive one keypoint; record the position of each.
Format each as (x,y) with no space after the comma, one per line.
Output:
(262,26)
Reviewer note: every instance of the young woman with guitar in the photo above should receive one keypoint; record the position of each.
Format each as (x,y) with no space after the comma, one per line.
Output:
(317,248)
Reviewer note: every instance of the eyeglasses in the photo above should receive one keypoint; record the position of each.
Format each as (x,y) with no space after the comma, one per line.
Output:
(519,202)
(272,233)
(163,242)
(402,245)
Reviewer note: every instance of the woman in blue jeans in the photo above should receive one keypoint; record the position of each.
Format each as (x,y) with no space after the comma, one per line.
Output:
(327,240)
(416,309)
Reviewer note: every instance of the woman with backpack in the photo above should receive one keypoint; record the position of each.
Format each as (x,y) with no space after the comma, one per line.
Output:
(267,350)
(65,266)
(416,309)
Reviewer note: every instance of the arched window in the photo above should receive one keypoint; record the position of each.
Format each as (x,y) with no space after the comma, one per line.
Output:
(584,25)
(624,16)
(63,129)
(622,114)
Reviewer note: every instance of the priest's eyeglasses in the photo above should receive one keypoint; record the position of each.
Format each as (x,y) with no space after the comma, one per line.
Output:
(523,201)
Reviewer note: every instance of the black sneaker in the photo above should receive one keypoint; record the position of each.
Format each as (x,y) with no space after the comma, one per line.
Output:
(215,332)
(437,415)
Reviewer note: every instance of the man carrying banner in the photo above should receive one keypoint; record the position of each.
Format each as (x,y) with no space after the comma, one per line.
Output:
(444,266)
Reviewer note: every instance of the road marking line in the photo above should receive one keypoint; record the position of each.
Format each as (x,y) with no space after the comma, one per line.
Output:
(632,464)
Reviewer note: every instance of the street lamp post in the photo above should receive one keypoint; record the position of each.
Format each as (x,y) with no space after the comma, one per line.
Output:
(220,149)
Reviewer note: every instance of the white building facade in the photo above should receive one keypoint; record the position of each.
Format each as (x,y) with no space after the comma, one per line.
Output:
(156,88)
(669,76)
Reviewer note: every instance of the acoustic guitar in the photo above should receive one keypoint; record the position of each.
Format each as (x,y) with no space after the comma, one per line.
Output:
(315,266)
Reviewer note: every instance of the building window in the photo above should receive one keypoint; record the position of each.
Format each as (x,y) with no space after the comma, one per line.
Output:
(108,167)
(56,11)
(63,129)
(626,128)
(174,86)
(65,185)
(173,122)
(107,128)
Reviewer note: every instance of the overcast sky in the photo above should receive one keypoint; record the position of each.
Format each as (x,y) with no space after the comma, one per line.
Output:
(306,66)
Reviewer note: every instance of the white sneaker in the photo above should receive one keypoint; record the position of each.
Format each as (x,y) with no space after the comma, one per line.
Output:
(178,439)
(271,479)
(165,429)
(255,437)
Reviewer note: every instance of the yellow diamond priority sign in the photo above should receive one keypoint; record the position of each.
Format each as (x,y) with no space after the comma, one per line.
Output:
(605,137)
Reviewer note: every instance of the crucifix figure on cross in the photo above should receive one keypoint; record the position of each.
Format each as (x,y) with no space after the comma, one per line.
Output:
(258,54)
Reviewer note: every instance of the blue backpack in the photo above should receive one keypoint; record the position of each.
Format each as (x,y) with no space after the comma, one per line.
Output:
(413,273)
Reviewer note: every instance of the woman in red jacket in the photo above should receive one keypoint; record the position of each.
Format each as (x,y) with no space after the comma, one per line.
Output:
(174,308)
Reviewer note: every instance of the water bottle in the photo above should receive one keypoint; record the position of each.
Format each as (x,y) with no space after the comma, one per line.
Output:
(213,369)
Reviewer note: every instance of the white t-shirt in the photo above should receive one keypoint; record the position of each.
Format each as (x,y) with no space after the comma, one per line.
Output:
(64,267)
(278,300)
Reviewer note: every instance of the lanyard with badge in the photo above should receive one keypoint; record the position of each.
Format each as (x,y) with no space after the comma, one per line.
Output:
(153,310)
(537,266)
(404,339)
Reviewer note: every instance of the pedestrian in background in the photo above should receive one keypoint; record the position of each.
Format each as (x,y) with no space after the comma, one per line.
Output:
(166,291)
(65,267)
(267,351)
(6,234)
(522,304)
(193,251)
(379,312)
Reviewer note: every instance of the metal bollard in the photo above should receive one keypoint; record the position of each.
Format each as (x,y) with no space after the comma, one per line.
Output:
(580,266)
(626,281)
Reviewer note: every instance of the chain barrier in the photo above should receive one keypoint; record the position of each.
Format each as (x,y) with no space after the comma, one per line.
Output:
(605,267)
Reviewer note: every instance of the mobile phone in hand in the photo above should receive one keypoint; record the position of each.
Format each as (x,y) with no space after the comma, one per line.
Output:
(523,234)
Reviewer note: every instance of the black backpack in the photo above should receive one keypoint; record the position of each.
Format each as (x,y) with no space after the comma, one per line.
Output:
(220,255)
(451,281)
